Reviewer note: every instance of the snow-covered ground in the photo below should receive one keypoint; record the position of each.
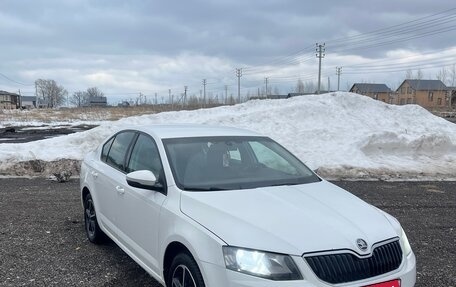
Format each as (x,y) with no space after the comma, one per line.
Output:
(343,135)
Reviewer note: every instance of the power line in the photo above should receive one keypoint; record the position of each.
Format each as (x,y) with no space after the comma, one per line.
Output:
(14,81)
(283,60)
(422,27)
(396,28)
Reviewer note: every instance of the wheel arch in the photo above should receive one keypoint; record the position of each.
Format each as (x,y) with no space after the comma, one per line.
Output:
(172,250)
(84,193)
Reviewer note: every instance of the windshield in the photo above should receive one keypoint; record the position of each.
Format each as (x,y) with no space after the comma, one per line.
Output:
(223,163)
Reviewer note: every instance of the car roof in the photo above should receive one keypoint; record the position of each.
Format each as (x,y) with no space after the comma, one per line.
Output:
(192,130)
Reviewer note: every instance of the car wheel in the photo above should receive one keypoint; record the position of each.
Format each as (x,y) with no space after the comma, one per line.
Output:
(93,230)
(184,272)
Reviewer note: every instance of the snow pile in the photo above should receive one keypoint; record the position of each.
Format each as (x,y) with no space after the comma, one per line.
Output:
(343,135)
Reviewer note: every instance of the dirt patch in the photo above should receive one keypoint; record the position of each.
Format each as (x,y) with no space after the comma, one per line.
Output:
(355,173)
(40,168)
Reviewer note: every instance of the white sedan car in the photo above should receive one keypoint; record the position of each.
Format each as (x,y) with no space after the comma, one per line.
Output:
(197,205)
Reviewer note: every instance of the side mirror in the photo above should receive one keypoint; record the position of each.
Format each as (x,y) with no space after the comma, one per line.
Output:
(142,179)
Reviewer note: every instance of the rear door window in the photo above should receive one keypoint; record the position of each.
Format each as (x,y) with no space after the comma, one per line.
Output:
(105,150)
(119,149)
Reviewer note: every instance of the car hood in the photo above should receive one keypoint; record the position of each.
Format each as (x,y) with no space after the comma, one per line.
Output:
(289,219)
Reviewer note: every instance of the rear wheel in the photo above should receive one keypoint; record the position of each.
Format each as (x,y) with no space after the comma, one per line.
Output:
(184,272)
(93,230)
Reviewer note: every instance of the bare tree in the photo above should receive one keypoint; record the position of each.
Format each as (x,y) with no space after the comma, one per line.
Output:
(419,74)
(94,92)
(51,94)
(311,87)
(82,98)
(276,91)
(300,87)
(78,98)
(193,101)
(141,99)
(409,74)
(442,75)
(452,75)
(231,100)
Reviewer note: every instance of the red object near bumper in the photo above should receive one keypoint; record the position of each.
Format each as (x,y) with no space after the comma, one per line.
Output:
(394,283)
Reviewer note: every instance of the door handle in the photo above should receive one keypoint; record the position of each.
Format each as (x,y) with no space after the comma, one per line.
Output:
(120,189)
(94,174)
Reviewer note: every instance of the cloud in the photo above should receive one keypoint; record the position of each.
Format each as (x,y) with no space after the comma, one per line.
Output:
(152,46)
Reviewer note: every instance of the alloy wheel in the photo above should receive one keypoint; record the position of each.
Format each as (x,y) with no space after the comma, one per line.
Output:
(90,217)
(182,277)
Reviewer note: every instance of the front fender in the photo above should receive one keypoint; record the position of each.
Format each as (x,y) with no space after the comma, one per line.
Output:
(175,226)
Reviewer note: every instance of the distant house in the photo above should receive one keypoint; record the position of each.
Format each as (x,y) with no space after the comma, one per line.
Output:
(379,92)
(123,104)
(426,93)
(28,102)
(9,101)
(97,102)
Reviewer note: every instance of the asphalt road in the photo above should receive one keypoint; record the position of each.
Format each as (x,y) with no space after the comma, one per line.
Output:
(42,239)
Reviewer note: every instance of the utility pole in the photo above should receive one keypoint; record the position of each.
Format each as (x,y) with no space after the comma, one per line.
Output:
(20,100)
(329,85)
(185,95)
(156,102)
(226,93)
(204,92)
(36,96)
(320,55)
(338,72)
(170,101)
(266,82)
(239,75)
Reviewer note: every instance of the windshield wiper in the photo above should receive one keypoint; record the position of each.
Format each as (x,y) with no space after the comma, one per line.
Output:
(285,183)
(200,188)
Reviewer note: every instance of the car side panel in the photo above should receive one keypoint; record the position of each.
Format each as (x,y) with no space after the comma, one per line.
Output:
(105,179)
(138,221)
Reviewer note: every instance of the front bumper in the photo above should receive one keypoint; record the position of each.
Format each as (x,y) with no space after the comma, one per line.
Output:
(219,276)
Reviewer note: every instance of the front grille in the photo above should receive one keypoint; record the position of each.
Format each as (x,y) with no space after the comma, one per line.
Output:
(346,267)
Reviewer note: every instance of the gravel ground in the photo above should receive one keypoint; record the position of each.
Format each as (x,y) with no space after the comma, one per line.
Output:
(42,239)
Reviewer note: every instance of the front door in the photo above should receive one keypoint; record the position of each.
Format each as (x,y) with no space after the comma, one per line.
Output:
(139,209)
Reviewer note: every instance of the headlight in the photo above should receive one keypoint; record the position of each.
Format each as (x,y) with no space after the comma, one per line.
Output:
(261,264)
(405,243)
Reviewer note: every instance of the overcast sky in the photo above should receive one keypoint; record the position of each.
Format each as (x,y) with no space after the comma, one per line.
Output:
(127,47)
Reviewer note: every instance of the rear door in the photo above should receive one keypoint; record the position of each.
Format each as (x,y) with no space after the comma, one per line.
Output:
(109,178)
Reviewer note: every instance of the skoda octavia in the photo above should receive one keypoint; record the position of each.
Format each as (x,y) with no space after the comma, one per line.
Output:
(198,205)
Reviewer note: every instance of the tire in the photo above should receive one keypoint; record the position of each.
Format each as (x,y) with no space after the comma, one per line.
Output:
(184,266)
(93,230)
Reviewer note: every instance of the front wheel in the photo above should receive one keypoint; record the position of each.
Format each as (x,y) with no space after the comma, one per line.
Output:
(93,230)
(184,272)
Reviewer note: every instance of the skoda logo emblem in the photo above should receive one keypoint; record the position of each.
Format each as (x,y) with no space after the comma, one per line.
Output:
(362,244)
